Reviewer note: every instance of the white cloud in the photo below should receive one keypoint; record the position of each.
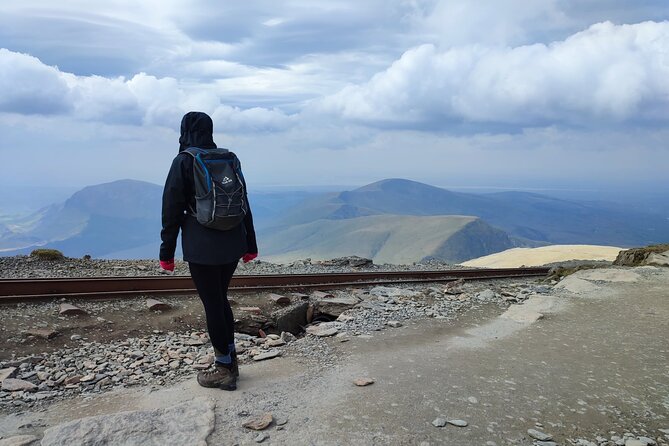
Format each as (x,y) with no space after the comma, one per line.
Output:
(233,119)
(606,73)
(28,86)
(451,23)
(339,91)
(273,22)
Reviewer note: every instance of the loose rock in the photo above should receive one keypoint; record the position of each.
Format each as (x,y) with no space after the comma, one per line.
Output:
(279,299)
(87,378)
(255,310)
(334,306)
(69,310)
(454,287)
(362,382)
(16,385)
(321,295)
(458,423)
(538,435)
(260,422)
(44,333)
(267,355)
(287,337)
(322,330)
(439,422)
(156,305)
(9,372)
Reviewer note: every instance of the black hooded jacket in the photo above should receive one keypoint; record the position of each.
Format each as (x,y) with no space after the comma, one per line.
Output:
(200,244)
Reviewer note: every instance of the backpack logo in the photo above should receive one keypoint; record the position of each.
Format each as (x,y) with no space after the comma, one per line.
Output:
(226,180)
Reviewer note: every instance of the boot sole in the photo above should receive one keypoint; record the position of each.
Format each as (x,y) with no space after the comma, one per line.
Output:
(232,386)
(220,386)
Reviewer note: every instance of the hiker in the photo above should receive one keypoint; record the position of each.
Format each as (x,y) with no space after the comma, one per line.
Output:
(216,231)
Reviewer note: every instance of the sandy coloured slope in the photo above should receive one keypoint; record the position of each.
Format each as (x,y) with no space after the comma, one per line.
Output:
(516,257)
(397,239)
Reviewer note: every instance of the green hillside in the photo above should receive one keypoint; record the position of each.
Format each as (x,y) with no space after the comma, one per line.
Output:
(525,216)
(387,239)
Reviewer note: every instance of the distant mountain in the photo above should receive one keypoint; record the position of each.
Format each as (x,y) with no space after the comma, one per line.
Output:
(114,220)
(525,216)
(96,220)
(388,239)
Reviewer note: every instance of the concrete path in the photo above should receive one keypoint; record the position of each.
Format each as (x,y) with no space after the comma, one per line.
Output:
(573,365)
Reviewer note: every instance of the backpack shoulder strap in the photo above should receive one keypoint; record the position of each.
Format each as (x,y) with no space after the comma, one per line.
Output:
(193,151)
(237,165)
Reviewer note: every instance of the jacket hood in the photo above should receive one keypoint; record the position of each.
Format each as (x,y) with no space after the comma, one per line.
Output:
(197,130)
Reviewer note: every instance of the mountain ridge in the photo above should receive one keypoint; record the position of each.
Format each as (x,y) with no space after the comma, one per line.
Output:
(389,239)
(525,215)
(124,217)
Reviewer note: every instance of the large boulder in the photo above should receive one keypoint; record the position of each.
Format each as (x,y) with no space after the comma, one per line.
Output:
(292,318)
(334,306)
(251,323)
(656,255)
(188,423)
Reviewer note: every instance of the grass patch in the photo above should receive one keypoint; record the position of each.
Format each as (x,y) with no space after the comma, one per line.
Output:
(47,254)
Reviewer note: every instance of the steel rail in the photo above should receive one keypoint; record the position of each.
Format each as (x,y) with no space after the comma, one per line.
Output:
(47,288)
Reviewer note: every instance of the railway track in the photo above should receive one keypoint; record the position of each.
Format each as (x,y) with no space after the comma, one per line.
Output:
(13,290)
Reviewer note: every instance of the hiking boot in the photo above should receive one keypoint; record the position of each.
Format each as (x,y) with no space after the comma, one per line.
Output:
(235,365)
(220,376)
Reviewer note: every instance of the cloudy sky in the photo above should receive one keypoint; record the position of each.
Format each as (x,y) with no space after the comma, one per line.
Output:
(499,93)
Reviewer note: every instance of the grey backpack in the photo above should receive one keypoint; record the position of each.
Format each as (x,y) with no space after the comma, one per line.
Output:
(220,192)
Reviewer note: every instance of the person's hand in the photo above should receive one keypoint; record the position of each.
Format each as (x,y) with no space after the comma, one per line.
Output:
(167,266)
(249,256)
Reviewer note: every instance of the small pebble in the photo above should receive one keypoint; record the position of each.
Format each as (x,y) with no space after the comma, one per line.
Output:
(439,422)
(538,435)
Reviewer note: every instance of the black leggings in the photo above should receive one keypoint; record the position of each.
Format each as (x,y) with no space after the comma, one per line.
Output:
(212,283)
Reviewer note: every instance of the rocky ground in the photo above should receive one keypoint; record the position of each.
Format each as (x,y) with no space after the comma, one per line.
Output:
(30,267)
(580,362)
(75,354)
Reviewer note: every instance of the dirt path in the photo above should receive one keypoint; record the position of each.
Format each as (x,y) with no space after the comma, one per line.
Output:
(596,364)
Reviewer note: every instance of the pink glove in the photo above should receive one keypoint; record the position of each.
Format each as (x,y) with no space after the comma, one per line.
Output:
(167,265)
(249,256)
